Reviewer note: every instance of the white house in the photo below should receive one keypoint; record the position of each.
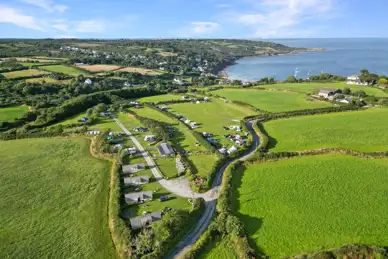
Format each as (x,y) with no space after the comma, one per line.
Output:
(355,80)
(223,150)
(88,81)
(187,121)
(328,92)
(206,99)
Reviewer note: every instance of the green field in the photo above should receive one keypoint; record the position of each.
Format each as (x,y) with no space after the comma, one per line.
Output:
(48,80)
(363,131)
(160,98)
(65,70)
(314,87)
(182,137)
(203,164)
(11,113)
(53,200)
(272,101)
(219,249)
(308,204)
(23,73)
(212,116)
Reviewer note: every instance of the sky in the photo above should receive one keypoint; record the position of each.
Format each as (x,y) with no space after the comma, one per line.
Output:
(248,19)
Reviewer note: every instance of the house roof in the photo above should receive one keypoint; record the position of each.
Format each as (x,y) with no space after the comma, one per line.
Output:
(165,149)
(137,180)
(135,196)
(128,169)
(142,221)
(328,90)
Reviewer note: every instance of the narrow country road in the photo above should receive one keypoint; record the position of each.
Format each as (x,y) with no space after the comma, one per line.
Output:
(210,207)
(181,187)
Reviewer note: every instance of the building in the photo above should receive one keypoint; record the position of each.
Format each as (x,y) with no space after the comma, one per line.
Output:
(166,150)
(180,166)
(206,99)
(94,132)
(138,197)
(355,80)
(88,81)
(223,150)
(131,150)
(150,138)
(131,169)
(235,127)
(145,220)
(140,129)
(328,92)
(136,180)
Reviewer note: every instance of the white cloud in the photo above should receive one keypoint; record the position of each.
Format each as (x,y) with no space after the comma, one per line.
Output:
(60,26)
(91,26)
(280,18)
(48,5)
(204,27)
(11,15)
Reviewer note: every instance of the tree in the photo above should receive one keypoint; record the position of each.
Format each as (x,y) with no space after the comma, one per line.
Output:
(383,81)
(291,79)
(234,226)
(364,72)
(347,90)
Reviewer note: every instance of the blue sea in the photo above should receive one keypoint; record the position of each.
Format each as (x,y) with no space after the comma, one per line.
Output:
(341,57)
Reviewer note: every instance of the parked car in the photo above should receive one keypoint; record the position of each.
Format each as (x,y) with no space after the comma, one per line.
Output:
(164,198)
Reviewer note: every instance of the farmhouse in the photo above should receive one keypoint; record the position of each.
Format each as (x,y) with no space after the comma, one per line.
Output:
(136,181)
(131,169)
(150,138)
(355,80)
(140,129)
(328,92)
(166,150)
(193,125)
(138,197)
(145,220)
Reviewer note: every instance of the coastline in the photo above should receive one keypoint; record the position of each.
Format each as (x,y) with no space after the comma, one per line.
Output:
(225,76)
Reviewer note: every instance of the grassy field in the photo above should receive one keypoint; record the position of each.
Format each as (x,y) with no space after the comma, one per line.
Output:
(160,98)
(182,137)
(23,73)
(312,203)
(212,116)
(362,131)
(53,200)
(314,87)
(217,249)
(203,164)
(27,59)
(272,101)
(28,64)
(143,71)
(11,113)
(48,80)
(100,68)
(65,70)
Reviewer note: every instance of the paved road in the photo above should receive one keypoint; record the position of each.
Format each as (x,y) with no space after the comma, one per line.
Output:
(184,246)
(181,187)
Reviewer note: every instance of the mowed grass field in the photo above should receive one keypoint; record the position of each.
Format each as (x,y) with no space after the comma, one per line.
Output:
(23,73)
(363,131)
(11,113)
(100,68)
(160,98)
(53,200)
(314,87)
(64,69)
(308,204)
(212,116)
(272,101)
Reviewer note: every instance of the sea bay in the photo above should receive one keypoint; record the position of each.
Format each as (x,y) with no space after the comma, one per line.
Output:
(340,57)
